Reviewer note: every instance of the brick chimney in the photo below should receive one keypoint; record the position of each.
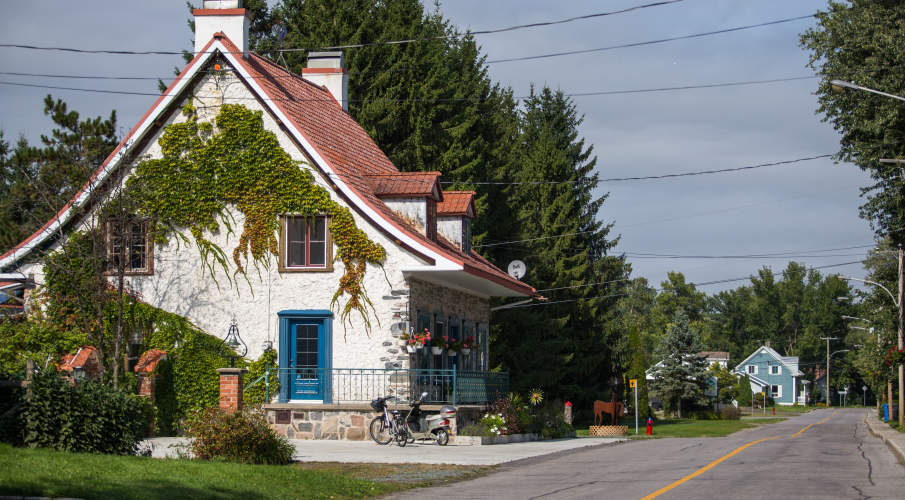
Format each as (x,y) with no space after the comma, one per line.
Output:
(328,69)
(226,16)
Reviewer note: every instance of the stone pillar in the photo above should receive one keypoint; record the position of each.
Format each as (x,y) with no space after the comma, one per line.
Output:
(231,388)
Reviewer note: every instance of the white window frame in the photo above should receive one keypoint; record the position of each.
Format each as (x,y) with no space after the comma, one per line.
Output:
(776,394)
(777,368)
(751,369)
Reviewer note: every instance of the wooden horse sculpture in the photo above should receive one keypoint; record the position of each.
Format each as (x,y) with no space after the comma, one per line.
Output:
(613,408)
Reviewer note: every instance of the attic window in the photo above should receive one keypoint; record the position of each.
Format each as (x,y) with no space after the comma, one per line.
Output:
(775,370)
(752,369)
(128,247)
(305,244)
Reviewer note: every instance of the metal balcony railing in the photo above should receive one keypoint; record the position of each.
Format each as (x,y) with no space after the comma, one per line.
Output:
(361,385)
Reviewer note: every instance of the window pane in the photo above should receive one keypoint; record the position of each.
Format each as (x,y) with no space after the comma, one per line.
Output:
(318,253)
(296,229)
(319,229)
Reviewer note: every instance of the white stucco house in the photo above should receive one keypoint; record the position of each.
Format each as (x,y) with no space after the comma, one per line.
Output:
(431,277)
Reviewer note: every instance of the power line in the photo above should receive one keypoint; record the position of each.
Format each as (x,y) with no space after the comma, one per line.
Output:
(650,42)
(705,283)
(358,45)
(379,99)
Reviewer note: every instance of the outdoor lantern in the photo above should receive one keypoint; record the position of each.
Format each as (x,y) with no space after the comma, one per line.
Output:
(235,342)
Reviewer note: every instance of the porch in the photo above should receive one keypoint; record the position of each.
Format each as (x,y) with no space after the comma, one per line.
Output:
(334,403)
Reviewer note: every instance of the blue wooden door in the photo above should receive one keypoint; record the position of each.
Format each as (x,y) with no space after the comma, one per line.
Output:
(307,359)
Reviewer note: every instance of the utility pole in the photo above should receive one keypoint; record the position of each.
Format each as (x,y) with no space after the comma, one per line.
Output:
(899,344)
(827,384)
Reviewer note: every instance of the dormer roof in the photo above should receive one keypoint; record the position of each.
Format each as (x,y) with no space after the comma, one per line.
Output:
(457,203)
(407,185)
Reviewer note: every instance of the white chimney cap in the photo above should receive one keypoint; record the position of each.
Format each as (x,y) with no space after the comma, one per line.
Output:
(222,4)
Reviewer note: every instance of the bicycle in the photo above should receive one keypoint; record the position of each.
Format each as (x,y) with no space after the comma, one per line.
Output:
(389,426)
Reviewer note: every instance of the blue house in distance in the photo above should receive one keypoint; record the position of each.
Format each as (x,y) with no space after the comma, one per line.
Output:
(774,374)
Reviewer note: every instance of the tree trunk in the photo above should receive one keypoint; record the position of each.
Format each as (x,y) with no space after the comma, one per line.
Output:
(679,408)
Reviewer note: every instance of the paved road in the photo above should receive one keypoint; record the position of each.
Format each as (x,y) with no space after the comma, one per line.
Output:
(822,454)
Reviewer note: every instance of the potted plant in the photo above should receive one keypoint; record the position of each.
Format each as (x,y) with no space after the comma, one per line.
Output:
(437,344)
(468,344)
(418,341)
(453,346)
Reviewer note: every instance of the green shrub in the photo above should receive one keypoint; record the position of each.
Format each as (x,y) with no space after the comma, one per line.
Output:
(88,417)
(242,436)
(730,412)
(478,429)
(509,412)
(495,424)
(704,415)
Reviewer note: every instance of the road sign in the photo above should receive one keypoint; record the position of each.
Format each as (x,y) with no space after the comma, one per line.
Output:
(632,383)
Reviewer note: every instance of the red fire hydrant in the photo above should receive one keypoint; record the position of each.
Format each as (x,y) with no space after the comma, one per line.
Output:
(650,426)
(774,410)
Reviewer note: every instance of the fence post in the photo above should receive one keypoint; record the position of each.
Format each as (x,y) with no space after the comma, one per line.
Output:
(454,387)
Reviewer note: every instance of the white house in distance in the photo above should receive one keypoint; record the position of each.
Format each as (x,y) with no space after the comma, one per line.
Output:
(431,277)
(774,374)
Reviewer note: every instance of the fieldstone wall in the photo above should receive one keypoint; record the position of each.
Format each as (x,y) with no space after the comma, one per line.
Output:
(447,301)
(341,422)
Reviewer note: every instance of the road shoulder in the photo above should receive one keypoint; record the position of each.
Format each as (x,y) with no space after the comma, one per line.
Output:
(894,440)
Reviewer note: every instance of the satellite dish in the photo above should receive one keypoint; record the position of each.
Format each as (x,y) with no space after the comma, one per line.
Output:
(517,269)
(280,32)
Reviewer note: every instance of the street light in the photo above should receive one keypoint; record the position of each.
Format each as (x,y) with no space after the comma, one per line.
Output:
(836,84)
(898,304)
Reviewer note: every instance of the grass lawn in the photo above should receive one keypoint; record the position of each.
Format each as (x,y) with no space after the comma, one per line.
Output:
(40,472)
(696,428)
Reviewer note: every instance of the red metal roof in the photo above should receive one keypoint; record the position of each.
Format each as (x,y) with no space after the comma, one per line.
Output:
(457,203)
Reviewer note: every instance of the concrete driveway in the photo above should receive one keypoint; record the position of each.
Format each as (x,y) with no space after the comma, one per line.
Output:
(426,453)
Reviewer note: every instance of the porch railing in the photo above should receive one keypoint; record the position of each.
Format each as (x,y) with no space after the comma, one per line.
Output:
(359,385)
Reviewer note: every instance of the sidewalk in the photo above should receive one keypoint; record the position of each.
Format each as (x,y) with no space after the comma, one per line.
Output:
(426,453)
(894,439)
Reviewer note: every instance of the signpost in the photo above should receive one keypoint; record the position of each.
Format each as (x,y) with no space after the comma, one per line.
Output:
(633,383)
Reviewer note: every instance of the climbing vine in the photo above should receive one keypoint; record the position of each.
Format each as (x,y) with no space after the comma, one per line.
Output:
(233,161)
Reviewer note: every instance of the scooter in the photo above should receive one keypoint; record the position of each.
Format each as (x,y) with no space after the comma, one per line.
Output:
(428,426)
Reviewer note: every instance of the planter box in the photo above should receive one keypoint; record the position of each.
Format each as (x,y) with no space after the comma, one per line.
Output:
(487,440)
(607,430)
(509,438)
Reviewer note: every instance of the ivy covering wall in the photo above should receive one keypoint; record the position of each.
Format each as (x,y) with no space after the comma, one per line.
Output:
(208,168)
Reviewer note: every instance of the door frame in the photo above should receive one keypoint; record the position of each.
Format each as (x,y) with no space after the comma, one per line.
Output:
(286,319)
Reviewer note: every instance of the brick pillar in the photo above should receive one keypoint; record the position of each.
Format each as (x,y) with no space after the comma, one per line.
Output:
(231,388)
(146,385)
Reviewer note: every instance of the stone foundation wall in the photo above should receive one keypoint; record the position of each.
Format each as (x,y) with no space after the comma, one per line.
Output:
(342,421)
(351,424)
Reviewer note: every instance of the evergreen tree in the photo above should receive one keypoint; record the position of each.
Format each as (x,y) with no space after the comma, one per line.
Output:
(743,391)
(682,376)
(566,248)
(38,181)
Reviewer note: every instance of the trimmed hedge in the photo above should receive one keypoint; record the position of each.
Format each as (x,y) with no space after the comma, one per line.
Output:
(87,417)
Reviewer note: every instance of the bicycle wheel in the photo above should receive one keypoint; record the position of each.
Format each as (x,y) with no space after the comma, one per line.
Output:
(380,431)
(402,437)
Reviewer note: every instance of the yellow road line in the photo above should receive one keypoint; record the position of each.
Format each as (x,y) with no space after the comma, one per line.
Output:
(815,423)
(705,468)
(723,458)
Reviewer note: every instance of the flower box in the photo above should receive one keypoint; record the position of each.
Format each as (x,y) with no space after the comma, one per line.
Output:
(437,350)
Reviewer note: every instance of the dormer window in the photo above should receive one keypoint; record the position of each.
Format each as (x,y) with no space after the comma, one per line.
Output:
(305,244)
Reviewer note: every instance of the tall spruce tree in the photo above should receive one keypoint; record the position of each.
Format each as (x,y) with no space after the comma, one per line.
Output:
(565,346)
(682,376)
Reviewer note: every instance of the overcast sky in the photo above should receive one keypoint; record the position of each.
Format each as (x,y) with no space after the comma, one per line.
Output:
(799,208)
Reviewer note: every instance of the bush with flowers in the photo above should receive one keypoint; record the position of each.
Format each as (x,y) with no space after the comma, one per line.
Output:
(894,357)
(494,424)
